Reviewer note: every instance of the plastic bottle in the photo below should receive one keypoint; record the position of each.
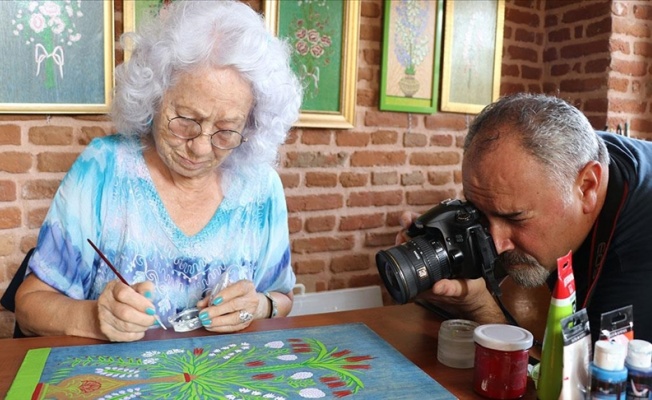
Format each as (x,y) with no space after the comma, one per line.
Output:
(639,370)
(608,371)
(562,304)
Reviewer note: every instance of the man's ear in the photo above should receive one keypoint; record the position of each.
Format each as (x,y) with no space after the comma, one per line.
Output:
(589,183)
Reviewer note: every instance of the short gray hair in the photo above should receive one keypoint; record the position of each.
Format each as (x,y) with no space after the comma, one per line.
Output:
(552,130)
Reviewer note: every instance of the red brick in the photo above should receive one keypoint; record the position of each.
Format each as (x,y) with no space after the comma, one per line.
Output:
(353,139)
(384,137)
(10,217)
(294,224)
(428,197)
(435,158)
(10,134)
(380,239)
(384,178)
(631,68)
(320,224)
(15,162)
(355,262)
(412,178)
(89,133)
(322,244)
(314,159)
(36,216)
(522,17)
(438,178)
(377,158)
(377,199)
(290,180)
(643,49)
(309,267)
(314,202)
(446,121)
(7,190)
(316,136)
(359,222)
(321,179)
(522,53)
(579,50)
(40,189)
(50,135)
(353,179)
(55,162)
(588,11)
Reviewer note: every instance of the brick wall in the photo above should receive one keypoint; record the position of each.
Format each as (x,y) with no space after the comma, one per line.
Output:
(346,188)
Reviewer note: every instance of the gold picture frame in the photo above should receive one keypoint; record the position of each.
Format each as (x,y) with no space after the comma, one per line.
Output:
(473,45)
(64,68)
(335,107)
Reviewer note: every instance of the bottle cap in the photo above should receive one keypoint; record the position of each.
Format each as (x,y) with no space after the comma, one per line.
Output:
(503,337)
(639,354)
(609,356)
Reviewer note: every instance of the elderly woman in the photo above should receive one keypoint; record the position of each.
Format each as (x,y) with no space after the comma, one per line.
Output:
(186,191)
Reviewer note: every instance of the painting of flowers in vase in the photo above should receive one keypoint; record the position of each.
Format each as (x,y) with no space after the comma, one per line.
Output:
(411,49)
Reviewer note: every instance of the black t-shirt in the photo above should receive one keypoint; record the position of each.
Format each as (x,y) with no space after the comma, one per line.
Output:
(626,277)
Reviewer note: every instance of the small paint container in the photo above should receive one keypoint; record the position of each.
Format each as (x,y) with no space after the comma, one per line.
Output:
(501,361)
(455,345)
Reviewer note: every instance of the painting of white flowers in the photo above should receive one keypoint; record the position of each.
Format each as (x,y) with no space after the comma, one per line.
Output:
(57,56)
(323,36)
(473,45)
(411,51)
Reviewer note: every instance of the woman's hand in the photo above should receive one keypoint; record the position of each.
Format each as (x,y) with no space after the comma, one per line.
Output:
(125,312)
(233,308)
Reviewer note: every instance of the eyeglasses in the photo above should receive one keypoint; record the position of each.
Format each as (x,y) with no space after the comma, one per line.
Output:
(186,128)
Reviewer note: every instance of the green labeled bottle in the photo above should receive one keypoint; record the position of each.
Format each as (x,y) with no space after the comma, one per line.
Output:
(562,304)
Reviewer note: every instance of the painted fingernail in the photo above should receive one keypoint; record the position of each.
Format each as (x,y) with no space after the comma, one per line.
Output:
(206,323)
(148,294)
(217,301)
(150,311)
(204,316)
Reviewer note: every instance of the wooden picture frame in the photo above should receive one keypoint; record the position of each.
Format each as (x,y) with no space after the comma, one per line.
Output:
(473,46)
(411,56)
(324,37)
(62,59)
(133,11)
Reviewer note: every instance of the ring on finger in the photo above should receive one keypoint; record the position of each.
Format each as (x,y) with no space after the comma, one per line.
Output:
(245,316)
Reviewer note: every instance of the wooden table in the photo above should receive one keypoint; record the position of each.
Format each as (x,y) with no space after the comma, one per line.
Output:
(410,328)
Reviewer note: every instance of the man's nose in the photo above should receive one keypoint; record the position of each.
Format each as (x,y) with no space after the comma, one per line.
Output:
(501,235)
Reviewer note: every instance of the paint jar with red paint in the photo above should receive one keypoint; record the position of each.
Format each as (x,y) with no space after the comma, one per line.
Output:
(501,361)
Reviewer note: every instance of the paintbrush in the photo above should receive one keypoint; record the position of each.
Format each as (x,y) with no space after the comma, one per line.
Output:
(123,280)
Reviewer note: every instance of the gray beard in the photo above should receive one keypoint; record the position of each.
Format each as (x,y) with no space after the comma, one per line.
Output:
(533,275)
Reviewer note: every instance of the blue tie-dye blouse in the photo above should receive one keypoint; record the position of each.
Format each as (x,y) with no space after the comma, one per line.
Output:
(108,196)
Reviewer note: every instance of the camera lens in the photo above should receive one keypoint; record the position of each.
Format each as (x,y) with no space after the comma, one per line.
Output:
(412,267)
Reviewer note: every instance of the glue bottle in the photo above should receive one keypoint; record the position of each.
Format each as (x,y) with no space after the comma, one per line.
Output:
(608,371)
(562,304)
(639,369)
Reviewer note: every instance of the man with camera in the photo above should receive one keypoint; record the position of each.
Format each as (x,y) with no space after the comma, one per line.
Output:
(546,183)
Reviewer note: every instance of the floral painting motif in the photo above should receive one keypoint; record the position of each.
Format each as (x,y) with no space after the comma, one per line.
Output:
(311,42)
(412,43)
(278,365)
(49,27)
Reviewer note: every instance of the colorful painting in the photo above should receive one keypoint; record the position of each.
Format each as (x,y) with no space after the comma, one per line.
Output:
(323,35)
(336,361)
(411,51)
(58,56)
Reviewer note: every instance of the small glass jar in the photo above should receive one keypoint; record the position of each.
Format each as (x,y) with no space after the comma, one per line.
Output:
(501,361)
(455,346)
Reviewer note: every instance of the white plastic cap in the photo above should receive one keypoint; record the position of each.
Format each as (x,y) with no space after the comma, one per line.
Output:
(503,337)
(610,355)
(639,354)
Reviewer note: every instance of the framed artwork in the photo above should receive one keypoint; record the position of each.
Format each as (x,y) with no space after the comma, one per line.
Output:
(473,48)
(412,35)
(324,38)
(134,11)
(58,57)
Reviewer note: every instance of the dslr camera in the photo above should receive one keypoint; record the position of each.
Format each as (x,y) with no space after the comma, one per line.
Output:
(449,241)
